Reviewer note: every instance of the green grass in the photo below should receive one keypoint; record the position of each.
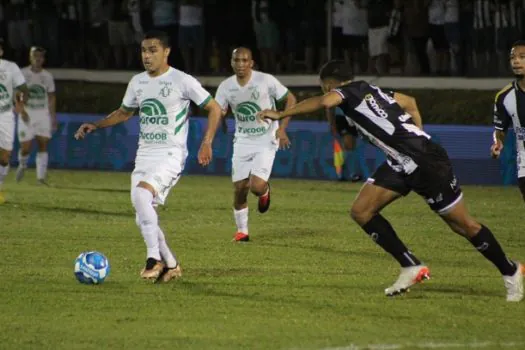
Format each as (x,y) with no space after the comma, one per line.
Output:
(310,279)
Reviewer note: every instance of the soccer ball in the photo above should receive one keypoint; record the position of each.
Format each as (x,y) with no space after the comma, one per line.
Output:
(91,268)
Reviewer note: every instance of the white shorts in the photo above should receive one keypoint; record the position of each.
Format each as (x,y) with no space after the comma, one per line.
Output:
(253,160)
(39,125)
(377,41)
(7,131)
(162,173)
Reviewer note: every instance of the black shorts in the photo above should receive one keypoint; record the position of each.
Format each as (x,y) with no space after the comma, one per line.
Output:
(438,186)
(342,126)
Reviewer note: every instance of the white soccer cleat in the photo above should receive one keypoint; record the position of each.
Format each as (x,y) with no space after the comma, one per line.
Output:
(407,278)
(514,284)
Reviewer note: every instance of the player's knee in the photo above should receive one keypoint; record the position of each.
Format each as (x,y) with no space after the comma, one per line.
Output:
(361,214)
(140,198)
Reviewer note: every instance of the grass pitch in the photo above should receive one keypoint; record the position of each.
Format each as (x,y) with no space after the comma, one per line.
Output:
(309,279)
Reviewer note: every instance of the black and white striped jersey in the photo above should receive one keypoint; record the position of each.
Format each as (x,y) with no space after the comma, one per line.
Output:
(509,108)
(377,117)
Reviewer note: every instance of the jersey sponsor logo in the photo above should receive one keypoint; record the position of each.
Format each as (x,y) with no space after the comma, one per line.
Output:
(374,106)
(5,99)
(247,112)
(153,112)
(153,137)
(37,92)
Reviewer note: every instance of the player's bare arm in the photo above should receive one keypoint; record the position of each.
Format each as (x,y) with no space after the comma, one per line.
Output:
(312,104)
(215,114)
(284,141)
(52,102)
(409,105)
(116,117)
(21,97)
(498,138)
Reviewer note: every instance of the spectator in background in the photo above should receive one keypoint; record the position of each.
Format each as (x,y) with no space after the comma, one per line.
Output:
(44,16)
(120,34)
(483,37)
(338,42)
(466,27)
(313,31)
(191,34)
(436,20)
(507,24)
(70,27)
(287,14)
(355,34)
(415,24)
(378,20)
(97,33)
(266,34)
(134,12)
(166,19)
(19,36)
(453,34)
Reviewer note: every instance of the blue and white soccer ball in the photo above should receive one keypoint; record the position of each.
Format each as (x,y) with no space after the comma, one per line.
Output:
(91,268)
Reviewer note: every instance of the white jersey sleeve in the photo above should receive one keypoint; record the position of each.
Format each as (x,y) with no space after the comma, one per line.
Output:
(221,97)
(194,91)
(18,77)
(50,83)
(130,102)
(277,90)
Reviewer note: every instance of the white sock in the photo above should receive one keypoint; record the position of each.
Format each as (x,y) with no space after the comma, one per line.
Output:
(22,160)
(241,220)
(148,220)
(165,251)
(3,173)
(41,165)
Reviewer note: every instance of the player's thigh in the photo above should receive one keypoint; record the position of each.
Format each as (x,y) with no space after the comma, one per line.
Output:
(381,189)
(42,142)
(263,163)
(24,131)
(7,132)
(42,127)
(438,186)
(242,161)
(161,174)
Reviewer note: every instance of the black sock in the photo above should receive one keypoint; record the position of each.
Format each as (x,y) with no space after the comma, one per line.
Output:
(486,244)
(384,235)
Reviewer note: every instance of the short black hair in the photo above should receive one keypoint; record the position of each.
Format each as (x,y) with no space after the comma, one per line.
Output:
(518,43)
(160,36)
(336,69)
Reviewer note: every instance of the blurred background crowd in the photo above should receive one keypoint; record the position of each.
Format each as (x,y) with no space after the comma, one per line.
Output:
(399,37)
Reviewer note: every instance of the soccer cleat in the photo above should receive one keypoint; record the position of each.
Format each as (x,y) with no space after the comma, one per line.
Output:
(20,173)
(42,182)
(407,278)
(2,198)
(167,274)
(514,284)
(241,237)
(152,269)
(264,201)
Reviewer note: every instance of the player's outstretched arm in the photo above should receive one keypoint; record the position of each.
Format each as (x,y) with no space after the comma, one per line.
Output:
(21,97)
(116,117)
(409,105)
(214,119)
(309,105)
